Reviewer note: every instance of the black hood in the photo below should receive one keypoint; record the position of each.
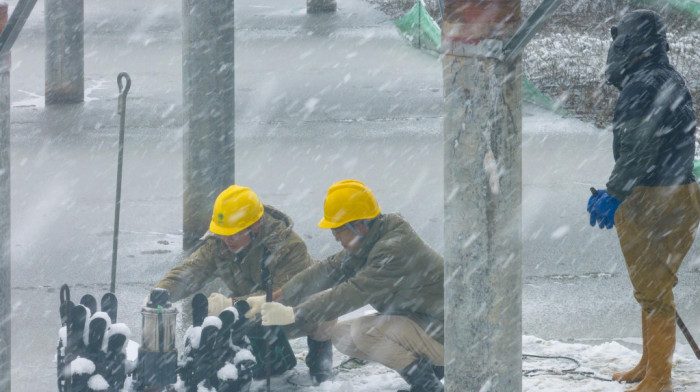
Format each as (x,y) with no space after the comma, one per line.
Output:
(638,38)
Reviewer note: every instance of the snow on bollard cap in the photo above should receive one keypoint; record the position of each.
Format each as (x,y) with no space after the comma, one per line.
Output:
(98,383)
(227,372)
(82,365)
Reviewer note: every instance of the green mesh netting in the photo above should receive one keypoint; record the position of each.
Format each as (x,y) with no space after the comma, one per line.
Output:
(686,7)
(419,28)
(421,31)
(533,95)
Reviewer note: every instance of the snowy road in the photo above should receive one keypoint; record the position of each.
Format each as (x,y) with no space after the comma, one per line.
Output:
(319,98)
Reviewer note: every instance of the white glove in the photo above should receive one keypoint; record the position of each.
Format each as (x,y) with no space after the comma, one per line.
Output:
(217,303)
(255,306)
(274,313)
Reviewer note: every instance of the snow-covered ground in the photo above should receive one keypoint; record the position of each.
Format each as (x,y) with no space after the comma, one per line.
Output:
(548,366)
(597,361)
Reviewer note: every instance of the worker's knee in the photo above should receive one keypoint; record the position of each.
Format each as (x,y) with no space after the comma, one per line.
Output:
(341,337)
(660,304)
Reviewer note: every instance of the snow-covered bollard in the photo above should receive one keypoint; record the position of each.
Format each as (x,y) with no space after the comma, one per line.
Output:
(201,357)
(97,340)
(115,358)
(228,378)
(81,369)
(91,353)
(211,360)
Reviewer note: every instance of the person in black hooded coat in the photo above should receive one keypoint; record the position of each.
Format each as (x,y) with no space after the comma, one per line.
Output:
(652,183)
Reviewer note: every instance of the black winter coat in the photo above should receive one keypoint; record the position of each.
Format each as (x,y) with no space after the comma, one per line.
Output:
(653,129)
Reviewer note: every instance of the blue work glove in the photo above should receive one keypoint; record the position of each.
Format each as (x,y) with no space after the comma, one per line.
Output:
(594,198)
(603,210)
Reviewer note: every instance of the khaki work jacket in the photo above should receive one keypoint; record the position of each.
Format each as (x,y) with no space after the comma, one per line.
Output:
(393,270)
(277,244)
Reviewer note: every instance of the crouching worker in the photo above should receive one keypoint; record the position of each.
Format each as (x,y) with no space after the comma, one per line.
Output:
(651,197)
(384,264)
(247,246)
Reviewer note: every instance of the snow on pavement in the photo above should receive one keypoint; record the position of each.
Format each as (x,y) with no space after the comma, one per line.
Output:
(601,360)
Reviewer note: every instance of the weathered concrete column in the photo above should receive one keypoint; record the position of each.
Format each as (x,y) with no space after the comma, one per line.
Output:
(208,103)
(64,58)
(482,135)
(320,6)
(5,292)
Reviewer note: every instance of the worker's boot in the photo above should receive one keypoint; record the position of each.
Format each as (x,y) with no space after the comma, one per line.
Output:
(320,360)
(661,341)
(420,375)
(636,374)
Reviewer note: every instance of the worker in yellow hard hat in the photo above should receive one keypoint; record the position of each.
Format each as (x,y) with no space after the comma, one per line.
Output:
(247,243)
(385,264)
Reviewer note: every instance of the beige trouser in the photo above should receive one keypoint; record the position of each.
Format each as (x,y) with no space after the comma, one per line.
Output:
(393,341)
(656,227)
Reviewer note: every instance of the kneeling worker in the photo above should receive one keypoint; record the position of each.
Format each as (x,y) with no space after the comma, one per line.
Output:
(245,241)
(384,264)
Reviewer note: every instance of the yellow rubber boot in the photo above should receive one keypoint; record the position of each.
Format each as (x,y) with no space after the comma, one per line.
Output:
(661,343)
(636,374)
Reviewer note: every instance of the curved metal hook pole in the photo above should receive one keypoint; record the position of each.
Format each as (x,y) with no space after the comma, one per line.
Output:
(121,110)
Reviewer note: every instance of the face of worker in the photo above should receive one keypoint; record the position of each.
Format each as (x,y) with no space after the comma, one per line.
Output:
(349,240)
(237,242)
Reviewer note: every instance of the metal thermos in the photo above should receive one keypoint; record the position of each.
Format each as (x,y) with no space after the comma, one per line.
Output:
(157,363)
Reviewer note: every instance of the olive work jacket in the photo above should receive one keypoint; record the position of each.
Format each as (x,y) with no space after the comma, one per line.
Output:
(393,270)
(653,129)
(277,244)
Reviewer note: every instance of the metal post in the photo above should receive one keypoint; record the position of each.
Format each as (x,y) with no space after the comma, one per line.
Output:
(5,291)
(483,251)
(320,6)
(64,59)
(208,100)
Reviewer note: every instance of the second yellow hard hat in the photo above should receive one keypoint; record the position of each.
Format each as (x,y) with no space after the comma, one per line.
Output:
(347,201)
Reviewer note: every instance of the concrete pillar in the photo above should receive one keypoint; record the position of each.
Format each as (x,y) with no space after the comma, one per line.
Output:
(320,6)
(482,135)
(208,103)
(64,58)
(5,293)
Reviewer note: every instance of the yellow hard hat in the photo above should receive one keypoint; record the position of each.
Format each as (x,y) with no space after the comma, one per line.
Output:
(348,201)
(235,209)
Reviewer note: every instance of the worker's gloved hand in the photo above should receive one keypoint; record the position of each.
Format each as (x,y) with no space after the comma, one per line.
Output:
(274,313)
(591,202)
(603,210)
(255,303)
(217,303)
(594,198)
